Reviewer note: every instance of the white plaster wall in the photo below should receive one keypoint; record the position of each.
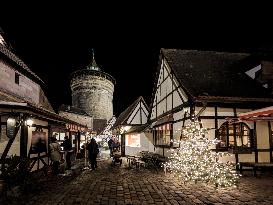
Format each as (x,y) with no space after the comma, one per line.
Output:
(221,111)
(239,110)
(136,120)
(153,115)
(176,99)
(263,157)
(159,150)
(133,114)
(246,157)
(209,111)
(146,144)
(178,115)
(262,135)
(161,107)
(220,122)
(144,117)
(177,127)
(209,123)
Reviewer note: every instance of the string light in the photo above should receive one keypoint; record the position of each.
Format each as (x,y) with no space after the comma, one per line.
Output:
(194,161)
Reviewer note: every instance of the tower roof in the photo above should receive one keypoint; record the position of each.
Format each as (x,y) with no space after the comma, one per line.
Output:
(93,65)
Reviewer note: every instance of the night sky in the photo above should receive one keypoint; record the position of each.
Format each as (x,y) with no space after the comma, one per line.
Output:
(53,52)
(54,55)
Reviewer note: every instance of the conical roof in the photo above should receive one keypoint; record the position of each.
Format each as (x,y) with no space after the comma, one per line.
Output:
(93,65)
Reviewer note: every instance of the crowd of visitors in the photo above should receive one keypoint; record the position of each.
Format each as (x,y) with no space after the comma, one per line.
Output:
(57,155)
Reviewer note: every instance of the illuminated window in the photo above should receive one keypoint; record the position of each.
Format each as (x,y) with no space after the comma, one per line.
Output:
(133,140)
(59,135)
(240,131)
(163,135)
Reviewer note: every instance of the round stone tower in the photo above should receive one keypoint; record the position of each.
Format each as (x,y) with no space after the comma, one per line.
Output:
(92,91)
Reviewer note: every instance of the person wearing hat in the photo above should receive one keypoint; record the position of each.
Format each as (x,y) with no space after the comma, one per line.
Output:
(55,154)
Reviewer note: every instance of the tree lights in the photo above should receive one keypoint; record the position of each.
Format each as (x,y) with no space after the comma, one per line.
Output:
(194,161)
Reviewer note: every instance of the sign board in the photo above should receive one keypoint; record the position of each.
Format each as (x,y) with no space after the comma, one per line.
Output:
(75,128)
(11,123)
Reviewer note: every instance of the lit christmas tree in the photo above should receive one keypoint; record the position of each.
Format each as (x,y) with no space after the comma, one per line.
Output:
(195,162)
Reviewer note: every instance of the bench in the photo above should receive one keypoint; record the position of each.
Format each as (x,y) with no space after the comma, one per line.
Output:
(255,166)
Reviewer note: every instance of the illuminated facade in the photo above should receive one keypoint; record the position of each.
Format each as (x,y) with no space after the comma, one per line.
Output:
(216,88)
(92,91)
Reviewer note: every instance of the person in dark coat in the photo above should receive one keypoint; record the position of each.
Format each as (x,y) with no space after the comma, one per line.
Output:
(93,151)
(110,145)
(67,145)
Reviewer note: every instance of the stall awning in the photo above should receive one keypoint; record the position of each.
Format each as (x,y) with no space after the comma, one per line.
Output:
(260,114)
(26,108)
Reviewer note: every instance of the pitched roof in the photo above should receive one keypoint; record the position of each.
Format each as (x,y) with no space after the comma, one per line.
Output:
(126,113)
(19,107)
(9,54)
(71,109)
(137,129)
(9,98)
(210,73)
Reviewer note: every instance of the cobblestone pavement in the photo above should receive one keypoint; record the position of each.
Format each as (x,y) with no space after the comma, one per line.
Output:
(120,185)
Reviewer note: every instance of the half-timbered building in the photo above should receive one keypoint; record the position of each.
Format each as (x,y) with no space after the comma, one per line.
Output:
(214,87)
(131,125)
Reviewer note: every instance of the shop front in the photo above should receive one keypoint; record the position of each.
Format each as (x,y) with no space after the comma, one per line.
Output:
(26,130)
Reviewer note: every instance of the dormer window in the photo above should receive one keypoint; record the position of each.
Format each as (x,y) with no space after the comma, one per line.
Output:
(17,77)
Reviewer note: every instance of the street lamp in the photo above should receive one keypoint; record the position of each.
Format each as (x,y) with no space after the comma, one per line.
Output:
(29,122)
(11,125)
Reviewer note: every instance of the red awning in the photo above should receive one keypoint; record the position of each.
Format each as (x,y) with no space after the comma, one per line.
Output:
(260,114)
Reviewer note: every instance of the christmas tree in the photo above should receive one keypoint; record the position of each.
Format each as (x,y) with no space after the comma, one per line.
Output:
(194,161)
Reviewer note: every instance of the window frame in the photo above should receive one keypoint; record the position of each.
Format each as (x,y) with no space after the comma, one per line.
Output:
(235,133)
(163,133)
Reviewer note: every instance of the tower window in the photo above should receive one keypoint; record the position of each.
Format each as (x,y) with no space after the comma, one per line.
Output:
(17,78)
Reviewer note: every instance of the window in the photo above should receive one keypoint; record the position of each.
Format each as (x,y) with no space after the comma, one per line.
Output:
(133,140)
(17,78)
(241,132)
(163,135)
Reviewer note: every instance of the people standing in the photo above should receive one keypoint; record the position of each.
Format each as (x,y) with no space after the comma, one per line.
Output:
(110,145)
(67,145)
(55,155)
(93,151)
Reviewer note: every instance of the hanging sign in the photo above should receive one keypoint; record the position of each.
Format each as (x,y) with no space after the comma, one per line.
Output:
(11,124)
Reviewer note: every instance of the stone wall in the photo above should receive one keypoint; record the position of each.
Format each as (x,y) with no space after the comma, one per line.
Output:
(94,95)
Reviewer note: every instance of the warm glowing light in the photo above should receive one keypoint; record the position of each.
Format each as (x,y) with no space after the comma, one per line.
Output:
(29,122)
(126,128)
(195,161)
(11,121)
